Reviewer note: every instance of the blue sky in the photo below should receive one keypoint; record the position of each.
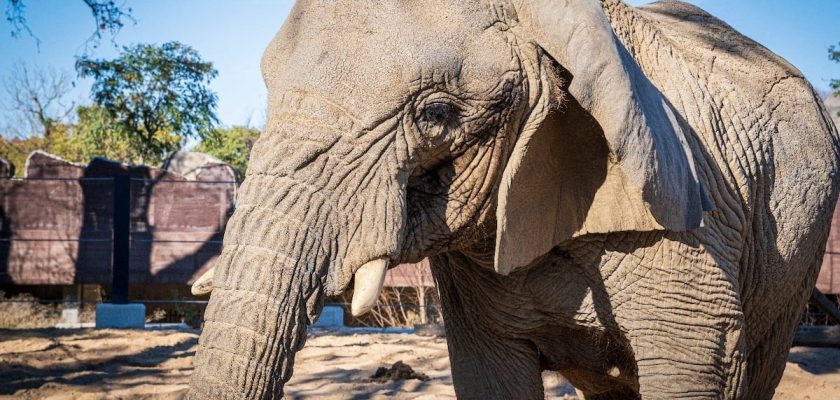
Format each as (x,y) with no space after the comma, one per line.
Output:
(233,33)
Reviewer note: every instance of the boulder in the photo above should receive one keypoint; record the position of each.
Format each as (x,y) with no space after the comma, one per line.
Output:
(195,166)
(43,165)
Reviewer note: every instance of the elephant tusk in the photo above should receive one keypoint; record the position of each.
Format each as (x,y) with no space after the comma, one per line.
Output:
(204,284)
(368,283)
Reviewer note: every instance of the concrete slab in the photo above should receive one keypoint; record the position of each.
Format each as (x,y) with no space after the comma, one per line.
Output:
(81,325)
(120,316)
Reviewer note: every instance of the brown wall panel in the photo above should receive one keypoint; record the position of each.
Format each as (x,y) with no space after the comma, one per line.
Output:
(58,232)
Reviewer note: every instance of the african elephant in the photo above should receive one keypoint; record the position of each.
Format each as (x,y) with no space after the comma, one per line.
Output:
(638,198)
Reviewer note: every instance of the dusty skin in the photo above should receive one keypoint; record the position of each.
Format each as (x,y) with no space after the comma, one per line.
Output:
(109,364)
(587,178)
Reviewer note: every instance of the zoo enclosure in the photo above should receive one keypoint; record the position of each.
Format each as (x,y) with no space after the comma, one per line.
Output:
(58,228)
(60,231)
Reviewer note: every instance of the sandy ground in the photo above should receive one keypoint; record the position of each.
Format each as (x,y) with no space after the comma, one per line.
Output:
(109,364)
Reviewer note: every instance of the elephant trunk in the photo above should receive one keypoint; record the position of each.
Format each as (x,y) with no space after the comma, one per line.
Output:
(313,212)
(267,288)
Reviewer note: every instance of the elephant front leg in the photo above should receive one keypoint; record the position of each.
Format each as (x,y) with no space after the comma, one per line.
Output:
(683,320)
(490,367)
(672,364)
(486,363)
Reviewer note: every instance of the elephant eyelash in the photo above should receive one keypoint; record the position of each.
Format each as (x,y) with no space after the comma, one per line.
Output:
(439,113)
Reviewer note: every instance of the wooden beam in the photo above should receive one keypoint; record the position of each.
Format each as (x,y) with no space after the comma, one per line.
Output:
(825,305)
(121,239)
(817,336)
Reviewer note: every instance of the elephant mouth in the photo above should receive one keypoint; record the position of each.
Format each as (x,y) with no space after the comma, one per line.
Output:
(367,284)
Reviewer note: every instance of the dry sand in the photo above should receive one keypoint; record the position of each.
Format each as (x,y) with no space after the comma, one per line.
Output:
(110,364)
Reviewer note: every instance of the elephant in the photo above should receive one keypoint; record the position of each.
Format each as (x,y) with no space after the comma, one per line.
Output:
(638,198)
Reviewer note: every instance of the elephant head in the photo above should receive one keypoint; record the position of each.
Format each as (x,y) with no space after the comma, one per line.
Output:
(398,130)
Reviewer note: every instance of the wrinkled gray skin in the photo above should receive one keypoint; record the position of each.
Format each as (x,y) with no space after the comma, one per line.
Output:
(555,161)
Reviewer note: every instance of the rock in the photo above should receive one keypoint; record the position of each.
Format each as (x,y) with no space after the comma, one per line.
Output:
(43,165)
(199,167)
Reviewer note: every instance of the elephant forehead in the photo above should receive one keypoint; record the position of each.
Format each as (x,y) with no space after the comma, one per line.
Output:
(368,55)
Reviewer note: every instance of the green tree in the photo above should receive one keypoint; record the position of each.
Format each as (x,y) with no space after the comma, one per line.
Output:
(63,142)
(97,134)
(231,145)
(17,149)
(834,55)
(158,95)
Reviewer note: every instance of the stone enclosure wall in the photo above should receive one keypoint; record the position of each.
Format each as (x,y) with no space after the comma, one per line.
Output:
(829,280)
(55,225)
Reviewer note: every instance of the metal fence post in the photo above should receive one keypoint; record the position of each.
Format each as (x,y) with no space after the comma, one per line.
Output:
(121,238)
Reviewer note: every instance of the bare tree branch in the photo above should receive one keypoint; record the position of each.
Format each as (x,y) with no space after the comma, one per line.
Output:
(108,17)
(17,19)
(37,100)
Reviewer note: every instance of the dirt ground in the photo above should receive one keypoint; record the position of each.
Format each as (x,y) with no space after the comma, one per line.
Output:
(110,364)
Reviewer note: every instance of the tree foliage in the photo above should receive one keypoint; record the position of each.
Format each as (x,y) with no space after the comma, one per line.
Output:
(108,17)
(231,145)
(157,95)
(16,150)
(38,118)
(97,134)
(63,142)
(834,55)
(148,101)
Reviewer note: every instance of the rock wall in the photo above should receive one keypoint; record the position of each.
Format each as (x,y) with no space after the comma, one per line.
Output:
(55,225)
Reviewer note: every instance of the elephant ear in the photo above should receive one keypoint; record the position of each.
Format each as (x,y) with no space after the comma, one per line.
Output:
(611,158)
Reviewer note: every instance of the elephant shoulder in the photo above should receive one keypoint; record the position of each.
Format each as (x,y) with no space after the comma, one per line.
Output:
(727,64)
(717,47)
(731,89)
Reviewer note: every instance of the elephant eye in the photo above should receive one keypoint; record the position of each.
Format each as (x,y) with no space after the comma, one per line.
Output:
(438,113)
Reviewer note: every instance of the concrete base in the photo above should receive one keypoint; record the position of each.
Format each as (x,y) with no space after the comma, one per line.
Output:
(120,316)
(69,317)
(331,317)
